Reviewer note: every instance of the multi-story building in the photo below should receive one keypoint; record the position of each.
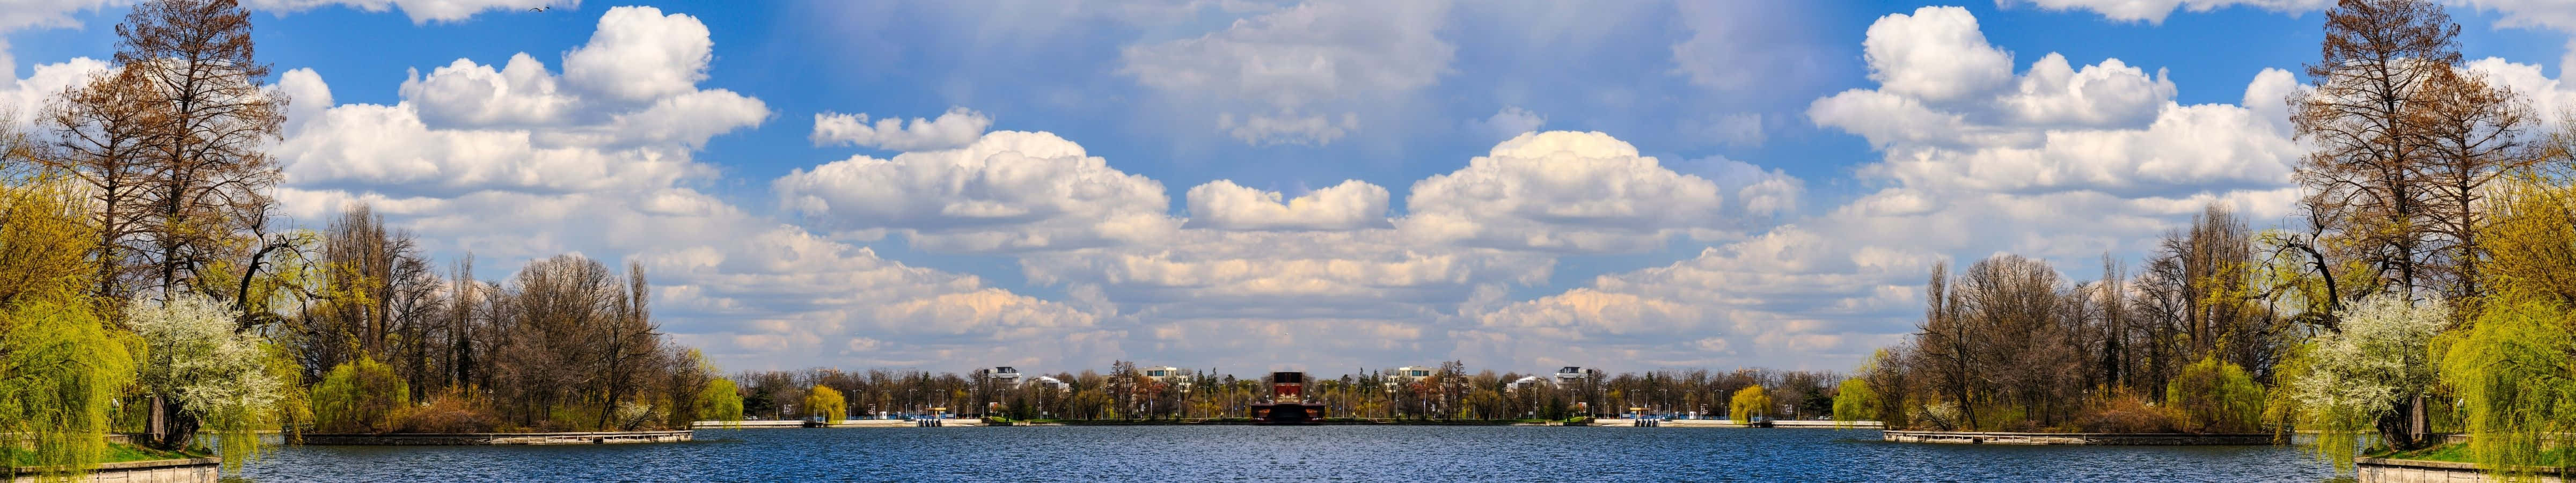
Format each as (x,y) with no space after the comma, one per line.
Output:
(1002,377)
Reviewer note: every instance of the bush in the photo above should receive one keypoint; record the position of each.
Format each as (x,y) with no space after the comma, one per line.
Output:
(2127,413)
(2214,396)
(453,411)
(362,396)
(631,415)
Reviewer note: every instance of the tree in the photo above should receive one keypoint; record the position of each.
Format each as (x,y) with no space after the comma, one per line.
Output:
(195,362)
(2370,375)
(2516,386)
(360,396)
(2366,176)
(720,401)
(210,175)
(2216,396)
(825,403)
(1747,404)
(1854,401)
(102,130)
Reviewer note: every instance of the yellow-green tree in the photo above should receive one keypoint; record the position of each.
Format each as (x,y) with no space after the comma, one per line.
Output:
(361,396)
(720,401)
(2509,366)
(1854,401)
(60,365)
(1748,403)
(2216,396)
(825,402)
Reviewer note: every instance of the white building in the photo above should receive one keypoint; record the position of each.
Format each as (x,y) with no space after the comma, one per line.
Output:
(1005,377)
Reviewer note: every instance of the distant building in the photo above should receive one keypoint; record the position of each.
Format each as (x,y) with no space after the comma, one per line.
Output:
(1048,382)
(1006,377)
(1525,383)
(1402,376)
(1571,375)
(1170,376)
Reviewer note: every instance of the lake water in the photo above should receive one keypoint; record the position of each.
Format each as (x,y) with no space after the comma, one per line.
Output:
(1480,454)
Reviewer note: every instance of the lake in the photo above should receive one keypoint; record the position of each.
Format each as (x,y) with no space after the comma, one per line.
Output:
(1480,454)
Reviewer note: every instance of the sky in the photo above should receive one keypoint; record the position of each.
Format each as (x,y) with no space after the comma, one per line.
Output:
(1313,185)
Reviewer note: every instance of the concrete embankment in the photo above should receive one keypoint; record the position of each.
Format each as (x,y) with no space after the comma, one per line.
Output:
(2384,470)
(2096,439)
(185,470)
(497,439)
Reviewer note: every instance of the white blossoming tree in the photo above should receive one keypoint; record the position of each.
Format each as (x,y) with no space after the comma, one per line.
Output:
(217,377)
(2368,376)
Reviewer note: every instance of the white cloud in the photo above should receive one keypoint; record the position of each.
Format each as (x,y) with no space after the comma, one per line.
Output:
(1506,123)
(640,54)
(1008,191)
(1561,191)
(1282,63)
(954,128)
(1223,205)
(1937,54)
(22,101)
(464,93)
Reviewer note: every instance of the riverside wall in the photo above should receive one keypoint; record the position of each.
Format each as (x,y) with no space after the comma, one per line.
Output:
(189,470)
(499,439)
(2384,470)
(2099,439)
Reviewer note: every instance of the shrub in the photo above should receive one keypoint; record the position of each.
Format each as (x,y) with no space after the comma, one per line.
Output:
(452,411)
(2215,396)
(362,396)
(631,415)
(2127,413)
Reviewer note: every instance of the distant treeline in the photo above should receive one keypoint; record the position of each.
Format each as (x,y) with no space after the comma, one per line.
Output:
(1446,392)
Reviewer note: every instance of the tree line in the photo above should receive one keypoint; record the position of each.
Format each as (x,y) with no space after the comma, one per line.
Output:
(149,289)
(1126,392)
(2424,285)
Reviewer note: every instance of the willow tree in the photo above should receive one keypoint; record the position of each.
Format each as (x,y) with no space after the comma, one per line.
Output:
(60,365)
(1747,404)
(222,379)
(825,402)
(2510,367)
(1854,402)
(2216,396)
(720,401)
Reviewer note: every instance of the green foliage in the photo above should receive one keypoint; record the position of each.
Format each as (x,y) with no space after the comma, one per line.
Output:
(1855,402)
(362,396)
(720,401)
(60,368)
(1747,404)
(2216,396)
(2515,382)
(826,402)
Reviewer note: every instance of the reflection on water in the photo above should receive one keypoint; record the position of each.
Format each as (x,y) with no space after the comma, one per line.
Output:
(1310,453)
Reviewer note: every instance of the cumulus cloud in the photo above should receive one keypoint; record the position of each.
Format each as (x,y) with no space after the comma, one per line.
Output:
(1007,191)
(464,93)
(22,100)
(954,128)
(640,54)
(1936,54)
(1264,75)
(1561,191)
(1223,205)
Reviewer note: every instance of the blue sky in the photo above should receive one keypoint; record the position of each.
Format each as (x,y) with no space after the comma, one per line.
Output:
(1805,172)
